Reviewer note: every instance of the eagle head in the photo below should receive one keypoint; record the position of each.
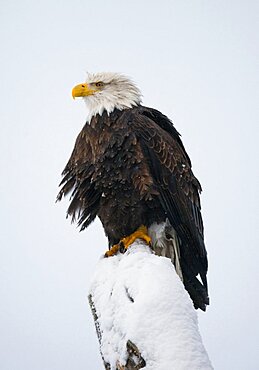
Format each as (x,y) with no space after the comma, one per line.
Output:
(107,91)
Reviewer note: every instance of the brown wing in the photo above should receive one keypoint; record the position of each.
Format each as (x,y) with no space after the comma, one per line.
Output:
(177,186)
(77,182)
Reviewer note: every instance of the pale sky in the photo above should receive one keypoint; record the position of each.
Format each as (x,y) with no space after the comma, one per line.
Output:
(195,61)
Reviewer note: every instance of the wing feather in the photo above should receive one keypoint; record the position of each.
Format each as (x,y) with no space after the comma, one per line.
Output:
(178,189)
(77,181)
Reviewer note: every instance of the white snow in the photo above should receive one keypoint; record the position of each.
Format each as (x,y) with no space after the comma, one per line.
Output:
(139,297)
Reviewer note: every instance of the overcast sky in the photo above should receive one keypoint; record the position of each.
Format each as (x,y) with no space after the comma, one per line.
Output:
(193,60)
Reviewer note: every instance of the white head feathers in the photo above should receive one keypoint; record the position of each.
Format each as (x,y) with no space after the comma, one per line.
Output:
(117,91)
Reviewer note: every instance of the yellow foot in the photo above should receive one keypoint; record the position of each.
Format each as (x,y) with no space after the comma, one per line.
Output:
(140,233)
(114,249)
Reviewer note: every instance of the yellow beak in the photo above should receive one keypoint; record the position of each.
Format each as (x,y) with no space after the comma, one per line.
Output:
(82,90)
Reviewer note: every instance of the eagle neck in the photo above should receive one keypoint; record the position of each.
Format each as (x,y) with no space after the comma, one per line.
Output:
(106,118)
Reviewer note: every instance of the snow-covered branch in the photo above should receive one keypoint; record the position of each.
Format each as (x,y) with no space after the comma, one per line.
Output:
(143,315)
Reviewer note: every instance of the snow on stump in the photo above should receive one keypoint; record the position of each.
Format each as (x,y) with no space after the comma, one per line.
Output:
(143,315)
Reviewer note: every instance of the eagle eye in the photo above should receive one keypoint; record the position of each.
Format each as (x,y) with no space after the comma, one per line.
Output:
(99,84)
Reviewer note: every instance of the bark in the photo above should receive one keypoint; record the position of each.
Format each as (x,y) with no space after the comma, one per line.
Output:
(134,362)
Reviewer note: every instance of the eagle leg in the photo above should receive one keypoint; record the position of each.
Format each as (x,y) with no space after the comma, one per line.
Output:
(125,243)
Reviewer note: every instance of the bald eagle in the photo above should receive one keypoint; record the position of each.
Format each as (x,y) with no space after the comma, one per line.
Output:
(129,168)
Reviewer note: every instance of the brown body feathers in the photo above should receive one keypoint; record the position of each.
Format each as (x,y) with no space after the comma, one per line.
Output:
(130,168)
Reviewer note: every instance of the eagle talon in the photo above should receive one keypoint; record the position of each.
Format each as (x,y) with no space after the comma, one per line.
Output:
(122,247)
(140,233)
(125,243)
(111,252)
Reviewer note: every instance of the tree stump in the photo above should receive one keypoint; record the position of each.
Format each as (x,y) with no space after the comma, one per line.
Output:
(144,317)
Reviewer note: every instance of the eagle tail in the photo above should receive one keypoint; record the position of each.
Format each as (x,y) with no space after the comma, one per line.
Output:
(197,292)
